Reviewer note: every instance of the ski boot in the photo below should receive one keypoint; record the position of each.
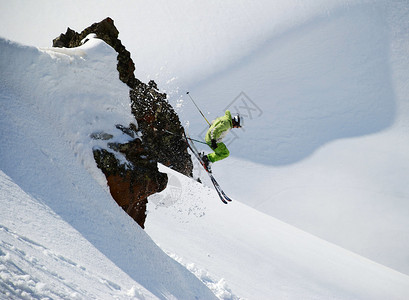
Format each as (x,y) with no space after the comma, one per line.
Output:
(206,161)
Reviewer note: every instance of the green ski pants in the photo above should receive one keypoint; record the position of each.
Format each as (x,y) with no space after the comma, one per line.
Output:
(219,153)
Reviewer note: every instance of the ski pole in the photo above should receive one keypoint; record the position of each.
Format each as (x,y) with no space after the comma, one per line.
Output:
(198,108)
(170,132)
(197,141)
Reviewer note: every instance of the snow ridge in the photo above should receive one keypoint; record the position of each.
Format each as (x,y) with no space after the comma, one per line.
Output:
(51,102)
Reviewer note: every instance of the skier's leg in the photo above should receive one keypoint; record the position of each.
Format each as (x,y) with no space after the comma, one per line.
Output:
(221,152)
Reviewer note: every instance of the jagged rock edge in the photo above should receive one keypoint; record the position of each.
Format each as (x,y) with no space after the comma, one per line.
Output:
(131,184)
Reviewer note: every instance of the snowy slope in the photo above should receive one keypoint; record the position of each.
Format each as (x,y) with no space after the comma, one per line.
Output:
(328,150)
(257,256)
(44,257)
(325,148)
(60,229)
(176,43)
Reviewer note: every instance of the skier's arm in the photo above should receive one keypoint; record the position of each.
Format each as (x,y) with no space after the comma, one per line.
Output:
(217,131)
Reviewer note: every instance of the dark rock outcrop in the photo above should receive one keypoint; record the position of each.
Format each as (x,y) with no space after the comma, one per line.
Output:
(130,184)
(160,128)
(106,31)
(157,138)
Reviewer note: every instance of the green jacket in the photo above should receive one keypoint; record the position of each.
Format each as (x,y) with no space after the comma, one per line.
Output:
(219,128)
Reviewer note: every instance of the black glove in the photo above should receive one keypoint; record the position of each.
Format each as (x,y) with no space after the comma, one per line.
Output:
(214,144)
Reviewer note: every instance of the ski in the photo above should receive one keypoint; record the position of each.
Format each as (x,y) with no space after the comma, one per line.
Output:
(222,195)
(225,199)
(217,186)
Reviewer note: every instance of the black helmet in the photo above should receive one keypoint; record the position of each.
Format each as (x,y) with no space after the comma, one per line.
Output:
(236,120)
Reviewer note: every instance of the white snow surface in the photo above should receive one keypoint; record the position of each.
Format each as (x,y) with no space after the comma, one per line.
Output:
(318,174)
(63,236)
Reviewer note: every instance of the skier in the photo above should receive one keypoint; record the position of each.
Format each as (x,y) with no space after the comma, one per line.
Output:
(214,136)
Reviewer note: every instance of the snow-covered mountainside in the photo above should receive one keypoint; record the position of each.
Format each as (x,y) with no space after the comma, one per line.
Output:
(259,257)
(325,141)
(60,229)
(318,175)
